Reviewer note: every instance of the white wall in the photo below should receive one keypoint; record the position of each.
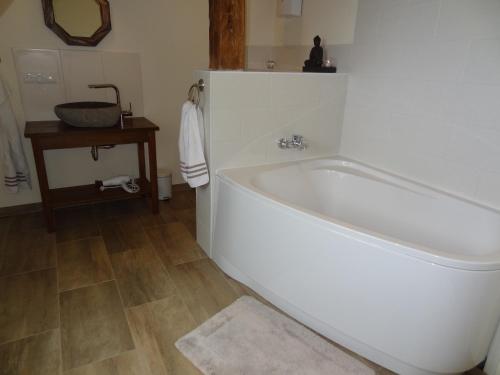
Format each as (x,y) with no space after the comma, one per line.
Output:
(288,40)
(424,93)
(156,29)
(247,112)
(333,20)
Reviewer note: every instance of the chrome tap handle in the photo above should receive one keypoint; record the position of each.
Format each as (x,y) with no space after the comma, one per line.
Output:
(282,143)
(297,139)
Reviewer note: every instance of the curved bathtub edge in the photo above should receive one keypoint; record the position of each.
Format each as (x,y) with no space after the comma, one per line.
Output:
(457,261)
(316,325)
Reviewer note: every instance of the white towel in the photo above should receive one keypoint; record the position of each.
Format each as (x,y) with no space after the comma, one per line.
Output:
(194,168)
(15,167)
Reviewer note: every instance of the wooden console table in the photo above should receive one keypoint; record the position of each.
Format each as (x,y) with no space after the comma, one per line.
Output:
(49,135)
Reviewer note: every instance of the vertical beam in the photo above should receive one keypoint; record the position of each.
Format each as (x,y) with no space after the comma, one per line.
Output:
(227,34)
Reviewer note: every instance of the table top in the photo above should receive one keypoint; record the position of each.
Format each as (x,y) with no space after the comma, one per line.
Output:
(54,128)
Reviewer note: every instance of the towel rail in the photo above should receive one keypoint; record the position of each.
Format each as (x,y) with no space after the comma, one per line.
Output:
(195,91)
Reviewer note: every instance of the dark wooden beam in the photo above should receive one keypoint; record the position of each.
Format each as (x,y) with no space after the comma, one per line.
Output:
(227,34)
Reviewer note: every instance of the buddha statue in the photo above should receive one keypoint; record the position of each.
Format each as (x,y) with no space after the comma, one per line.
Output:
(316,55)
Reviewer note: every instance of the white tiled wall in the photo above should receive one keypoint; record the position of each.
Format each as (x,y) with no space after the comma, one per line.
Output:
(424,92)
(250,111)
(247,112)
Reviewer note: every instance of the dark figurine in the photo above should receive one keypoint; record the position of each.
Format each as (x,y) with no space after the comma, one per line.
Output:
(315,62)
(316,55)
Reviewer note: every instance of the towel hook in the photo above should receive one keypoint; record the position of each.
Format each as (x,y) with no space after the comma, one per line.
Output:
(195,91)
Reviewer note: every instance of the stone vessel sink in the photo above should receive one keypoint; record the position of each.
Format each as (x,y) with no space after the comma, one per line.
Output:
(89,114)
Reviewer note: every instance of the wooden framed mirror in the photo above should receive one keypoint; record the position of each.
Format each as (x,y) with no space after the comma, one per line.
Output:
(78,22)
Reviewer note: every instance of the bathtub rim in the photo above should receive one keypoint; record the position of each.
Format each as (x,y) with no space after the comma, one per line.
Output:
(487,262)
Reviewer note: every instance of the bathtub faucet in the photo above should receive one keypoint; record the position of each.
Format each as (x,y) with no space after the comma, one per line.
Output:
(296,141)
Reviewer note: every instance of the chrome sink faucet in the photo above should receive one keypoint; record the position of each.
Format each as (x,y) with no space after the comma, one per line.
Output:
(296,142)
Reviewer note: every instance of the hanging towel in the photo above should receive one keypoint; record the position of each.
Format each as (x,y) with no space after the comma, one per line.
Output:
(191,140)
(15,167)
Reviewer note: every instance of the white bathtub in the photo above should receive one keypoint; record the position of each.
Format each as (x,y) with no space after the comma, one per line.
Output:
(402,274)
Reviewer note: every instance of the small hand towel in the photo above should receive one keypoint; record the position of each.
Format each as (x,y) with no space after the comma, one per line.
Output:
(193,165)
(15,166)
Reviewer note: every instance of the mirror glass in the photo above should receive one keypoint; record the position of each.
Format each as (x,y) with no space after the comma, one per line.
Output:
(78,17)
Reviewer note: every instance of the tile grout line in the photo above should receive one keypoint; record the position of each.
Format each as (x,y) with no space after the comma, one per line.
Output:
(27,337)
(86,286)
(27,272)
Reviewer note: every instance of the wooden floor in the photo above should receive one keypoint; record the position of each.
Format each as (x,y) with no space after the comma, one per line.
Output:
(109,293)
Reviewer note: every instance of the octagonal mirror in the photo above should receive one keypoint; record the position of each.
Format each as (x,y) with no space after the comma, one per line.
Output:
(78,22)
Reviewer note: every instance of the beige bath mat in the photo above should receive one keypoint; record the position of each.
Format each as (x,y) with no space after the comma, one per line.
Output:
(250,338)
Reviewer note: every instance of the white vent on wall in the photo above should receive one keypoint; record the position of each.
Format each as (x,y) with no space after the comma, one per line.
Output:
(290,8)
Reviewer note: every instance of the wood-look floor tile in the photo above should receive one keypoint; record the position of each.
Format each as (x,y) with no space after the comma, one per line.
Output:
(175,244)
(167,212)
(119,209)
(82,263)
(203,287)
(156,326)
(187,216)
(76,223)
(124,234)
(4,229)
(129,363)
(28,304)
(93,325)
(29,250)
(39,354)
(141,277)
(183,199)
(21,223)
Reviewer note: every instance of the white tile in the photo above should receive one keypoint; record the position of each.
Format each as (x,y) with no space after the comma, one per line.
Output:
(476,148)
(80,69)
(231,90)
(226,125)
(39,99)
(257,123)
(223,154)
(421,135)
(295,90)
(476,104)
(483,65)
(488,189)
(463,19)
(433,98)
(408,21)
(253,153)
(443,61)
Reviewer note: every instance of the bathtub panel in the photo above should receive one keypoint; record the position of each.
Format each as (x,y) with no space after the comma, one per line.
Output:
(400,311)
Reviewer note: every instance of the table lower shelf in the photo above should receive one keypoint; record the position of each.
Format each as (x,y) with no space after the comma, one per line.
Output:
(86,194)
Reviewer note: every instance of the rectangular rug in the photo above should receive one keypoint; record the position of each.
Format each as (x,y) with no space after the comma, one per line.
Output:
(250,338)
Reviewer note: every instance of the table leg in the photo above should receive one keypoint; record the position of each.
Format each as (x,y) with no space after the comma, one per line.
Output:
(153,176)
(44,186)
(142,165)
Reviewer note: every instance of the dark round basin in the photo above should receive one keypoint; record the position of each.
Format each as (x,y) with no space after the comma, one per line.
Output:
(89,114)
